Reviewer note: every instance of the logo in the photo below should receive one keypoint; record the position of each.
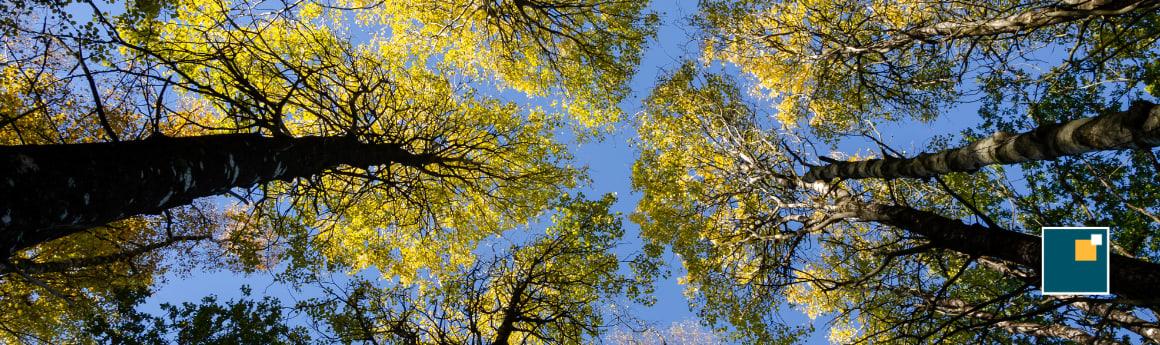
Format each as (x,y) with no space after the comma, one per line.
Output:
(1075,261)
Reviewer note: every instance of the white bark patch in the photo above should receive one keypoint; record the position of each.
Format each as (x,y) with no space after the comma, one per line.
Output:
(26,164)
(187,179)
(1066,137)
(279,169)
(165,198)
(231,169)
(1151,135)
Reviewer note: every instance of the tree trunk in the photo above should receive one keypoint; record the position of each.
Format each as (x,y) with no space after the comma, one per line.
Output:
(1138,127)
(1133,280)
(1148,330)
(1122,318)
(1041,330)
(50,191)
(511,313)
(1066,11)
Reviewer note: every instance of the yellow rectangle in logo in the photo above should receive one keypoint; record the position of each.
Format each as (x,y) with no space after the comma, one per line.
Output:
(1085,251)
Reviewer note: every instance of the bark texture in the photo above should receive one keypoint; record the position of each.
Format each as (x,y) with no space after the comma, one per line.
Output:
(1119,317)
(1133,280)
(1137,127)
(1060,331)
(50,191)
(1065,11)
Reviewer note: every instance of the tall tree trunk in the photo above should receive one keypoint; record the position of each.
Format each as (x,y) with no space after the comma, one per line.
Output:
(1138,127)
(50,191)
(1036,329)
(511,313)
(1119,317)
(1039,17)
(1133,280)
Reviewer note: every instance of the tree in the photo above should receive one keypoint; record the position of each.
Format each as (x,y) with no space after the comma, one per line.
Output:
(560,287)
(839,65)
(130,113)
(242,321)
(1133,128)
(758,222)
(49,292)
(888,260)
(243,71)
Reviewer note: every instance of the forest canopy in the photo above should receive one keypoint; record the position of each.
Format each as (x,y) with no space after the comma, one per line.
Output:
(411,169)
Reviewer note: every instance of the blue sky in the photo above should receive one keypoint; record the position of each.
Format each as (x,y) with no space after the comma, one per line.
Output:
(609,162)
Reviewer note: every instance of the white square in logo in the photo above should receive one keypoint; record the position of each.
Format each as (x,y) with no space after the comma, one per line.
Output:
(1097,239)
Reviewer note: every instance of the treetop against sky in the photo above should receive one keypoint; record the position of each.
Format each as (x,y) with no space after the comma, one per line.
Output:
(573,171)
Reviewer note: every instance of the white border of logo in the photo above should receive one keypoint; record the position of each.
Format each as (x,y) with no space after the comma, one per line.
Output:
(1107,253)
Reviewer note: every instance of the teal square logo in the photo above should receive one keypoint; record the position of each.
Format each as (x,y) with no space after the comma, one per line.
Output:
(1075,260)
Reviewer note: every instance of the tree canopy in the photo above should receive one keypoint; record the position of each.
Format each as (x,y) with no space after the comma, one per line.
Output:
(768,206)
(410,168)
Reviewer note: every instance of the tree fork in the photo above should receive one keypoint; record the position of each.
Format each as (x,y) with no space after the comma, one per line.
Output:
(1132,279)
(1137,127)
(51,191)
